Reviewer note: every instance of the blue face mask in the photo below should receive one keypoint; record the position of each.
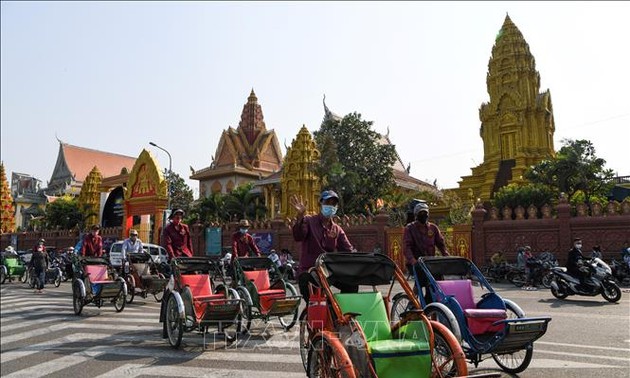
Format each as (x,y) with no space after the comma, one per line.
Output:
(243,230)
(329,210)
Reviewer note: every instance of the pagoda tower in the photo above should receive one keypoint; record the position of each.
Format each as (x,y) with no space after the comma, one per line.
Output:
(517,124)
(90,197)
(298,175)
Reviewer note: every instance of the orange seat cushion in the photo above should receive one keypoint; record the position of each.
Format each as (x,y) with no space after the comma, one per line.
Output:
(199,284)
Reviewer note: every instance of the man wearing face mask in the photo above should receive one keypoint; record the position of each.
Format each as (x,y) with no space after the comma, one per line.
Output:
(242,242)
(422,237)
(575,263)
(318,234)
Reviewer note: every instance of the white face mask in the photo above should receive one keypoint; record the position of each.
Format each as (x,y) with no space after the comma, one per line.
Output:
(578,245)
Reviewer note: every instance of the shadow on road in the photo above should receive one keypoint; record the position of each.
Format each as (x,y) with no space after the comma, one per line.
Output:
(555,303)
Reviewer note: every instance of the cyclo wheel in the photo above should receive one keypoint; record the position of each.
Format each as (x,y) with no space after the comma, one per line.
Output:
(131,288)
(77,300)
(120,301)
(246,312)
(159,294)
(304,338)
(3,276)
(288,321)
(519,360)
(399,305)
(57,281)
(174,323)
(327,358)
(23,277)
(448,358)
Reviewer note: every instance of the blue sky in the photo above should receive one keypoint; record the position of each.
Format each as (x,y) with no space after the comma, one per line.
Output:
(115,75)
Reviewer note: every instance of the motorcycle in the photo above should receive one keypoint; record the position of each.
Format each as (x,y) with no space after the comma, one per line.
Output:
(620,270)
(53,275)
(599,281)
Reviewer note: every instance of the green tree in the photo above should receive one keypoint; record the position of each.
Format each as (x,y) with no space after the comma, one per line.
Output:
(362,171)
(575,169)
(210,209)
(181,194)
(524,195)
(242,203)
(64,213)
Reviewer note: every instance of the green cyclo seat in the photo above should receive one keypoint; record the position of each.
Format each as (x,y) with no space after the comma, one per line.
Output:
(393,357)
(12,263)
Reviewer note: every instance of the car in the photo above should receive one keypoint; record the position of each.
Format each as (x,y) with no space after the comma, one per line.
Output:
(158,253)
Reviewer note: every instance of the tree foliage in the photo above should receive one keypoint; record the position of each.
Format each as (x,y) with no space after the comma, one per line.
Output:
(210,209)
(575,169)
(526,195)
(181,194)
(64,214)
(242,203)
(354,163)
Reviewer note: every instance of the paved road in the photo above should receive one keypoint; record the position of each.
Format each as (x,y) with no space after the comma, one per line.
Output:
(41,336)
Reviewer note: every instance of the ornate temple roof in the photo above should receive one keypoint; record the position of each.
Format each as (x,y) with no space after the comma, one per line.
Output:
(74,163)
(249,150)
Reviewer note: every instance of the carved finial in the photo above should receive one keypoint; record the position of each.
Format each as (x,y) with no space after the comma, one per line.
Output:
(387,135)
(58,140)
(285,144)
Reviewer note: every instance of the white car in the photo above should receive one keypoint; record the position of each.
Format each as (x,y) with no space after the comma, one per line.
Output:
(158,253)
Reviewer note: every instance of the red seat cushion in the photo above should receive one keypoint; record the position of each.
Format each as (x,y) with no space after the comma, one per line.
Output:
(267,297)
(260,278)
(201,290)
(199,284)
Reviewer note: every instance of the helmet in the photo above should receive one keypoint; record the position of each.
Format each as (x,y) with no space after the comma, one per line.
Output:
(326,194)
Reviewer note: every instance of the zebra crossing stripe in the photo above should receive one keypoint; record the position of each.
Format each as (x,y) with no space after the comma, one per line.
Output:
(135,370)
(51,344)
(78,325)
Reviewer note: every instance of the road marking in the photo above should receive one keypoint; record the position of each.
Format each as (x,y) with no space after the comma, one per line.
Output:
(51,344)
(89,326)
(625,359)
(544,363)
(584,346)
(135,370)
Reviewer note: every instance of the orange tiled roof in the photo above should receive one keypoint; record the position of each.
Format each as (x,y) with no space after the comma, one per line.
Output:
(81,160)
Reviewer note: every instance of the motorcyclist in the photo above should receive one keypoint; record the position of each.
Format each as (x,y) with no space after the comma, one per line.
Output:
(498,259)
(576,264)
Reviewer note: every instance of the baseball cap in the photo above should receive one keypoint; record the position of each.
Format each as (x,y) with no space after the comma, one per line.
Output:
(422,206)
(327,194)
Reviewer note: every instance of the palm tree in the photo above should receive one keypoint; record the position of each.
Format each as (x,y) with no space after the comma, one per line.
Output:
(242,203)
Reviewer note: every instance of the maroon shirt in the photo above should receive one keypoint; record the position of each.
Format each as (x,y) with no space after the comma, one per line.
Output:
(316,238)
(241,245)
(176,240)
(421,240)
(92,245)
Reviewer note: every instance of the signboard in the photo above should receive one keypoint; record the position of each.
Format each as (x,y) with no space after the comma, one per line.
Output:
(264,241)
(213,241)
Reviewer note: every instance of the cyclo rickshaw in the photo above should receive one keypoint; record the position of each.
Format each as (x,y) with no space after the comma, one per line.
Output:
(95,281)
(143,277)
(12,266)
(193,302)
(351,334)
(486,326)
(264,298)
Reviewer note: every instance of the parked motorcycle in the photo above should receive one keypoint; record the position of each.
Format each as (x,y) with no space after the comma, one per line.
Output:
(620,271)
(599,281)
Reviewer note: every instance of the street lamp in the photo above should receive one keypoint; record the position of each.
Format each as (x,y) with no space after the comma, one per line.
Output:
(170,161)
